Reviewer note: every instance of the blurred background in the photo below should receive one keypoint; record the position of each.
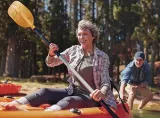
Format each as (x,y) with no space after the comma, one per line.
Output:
(126,26)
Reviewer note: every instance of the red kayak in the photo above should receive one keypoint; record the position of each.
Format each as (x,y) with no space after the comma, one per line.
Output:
(9,88)
(38,112)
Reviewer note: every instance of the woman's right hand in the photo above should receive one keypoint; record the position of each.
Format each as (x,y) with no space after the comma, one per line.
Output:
(52,48)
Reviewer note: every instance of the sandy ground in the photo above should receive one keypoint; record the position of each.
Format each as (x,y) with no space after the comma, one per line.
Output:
(153,105)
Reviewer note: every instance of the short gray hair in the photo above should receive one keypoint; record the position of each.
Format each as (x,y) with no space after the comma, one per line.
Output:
(85,24)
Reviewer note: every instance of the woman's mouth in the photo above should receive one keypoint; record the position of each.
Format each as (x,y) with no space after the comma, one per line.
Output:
(82,41)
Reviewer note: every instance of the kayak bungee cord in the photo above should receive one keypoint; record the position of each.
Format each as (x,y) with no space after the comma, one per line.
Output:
(23,17)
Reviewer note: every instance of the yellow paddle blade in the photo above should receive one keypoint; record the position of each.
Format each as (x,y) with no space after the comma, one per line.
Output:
(21,14)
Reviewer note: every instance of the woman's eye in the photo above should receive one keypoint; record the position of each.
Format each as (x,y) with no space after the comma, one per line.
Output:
(82,34)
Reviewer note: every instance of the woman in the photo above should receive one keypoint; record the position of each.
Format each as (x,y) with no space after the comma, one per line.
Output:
(91,63)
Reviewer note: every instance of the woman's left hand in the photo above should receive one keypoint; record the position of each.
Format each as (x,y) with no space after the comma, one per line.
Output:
(97,95)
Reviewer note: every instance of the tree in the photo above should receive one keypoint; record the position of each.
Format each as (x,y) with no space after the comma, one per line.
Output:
(148,28)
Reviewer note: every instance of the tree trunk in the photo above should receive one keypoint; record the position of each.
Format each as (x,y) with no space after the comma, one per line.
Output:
(147,51)
(3,61)
(106,42)
(33,62)
(16,62)
(153,54)
(10,58)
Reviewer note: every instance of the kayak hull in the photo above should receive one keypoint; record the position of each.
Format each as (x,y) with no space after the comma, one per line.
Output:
(25,111)
(94,112)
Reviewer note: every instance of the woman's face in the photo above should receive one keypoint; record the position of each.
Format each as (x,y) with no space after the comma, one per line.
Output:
(85,38)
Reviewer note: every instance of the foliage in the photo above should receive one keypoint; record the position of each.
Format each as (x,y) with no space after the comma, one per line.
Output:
(149,22)
(119,21)
(125,15)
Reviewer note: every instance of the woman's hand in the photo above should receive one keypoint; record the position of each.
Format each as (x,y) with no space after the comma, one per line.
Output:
(97,95)
(52,48)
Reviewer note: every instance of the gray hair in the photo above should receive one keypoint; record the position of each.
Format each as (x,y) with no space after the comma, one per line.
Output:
(85,24)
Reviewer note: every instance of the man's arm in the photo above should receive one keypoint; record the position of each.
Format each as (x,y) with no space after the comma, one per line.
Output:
(122,89)
(125,76)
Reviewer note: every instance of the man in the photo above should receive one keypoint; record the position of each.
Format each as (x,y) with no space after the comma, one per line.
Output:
(135,78)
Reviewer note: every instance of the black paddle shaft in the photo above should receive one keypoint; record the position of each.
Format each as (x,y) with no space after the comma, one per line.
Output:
(108,109)
(46,42)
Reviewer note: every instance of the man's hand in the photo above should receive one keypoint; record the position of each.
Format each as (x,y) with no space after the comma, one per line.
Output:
(142,85)
(123,97)
(133,87)
(122,89)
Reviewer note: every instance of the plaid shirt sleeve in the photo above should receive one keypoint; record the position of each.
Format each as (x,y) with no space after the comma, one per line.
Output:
(105,79)
(55,61)
(102,78)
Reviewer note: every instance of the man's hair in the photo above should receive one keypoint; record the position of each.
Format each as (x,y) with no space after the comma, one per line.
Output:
(85,24)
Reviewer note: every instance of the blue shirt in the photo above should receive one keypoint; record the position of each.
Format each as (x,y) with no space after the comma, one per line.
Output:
(132,74)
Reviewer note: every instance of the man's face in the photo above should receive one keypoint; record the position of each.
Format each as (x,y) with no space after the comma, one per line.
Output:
(138,62)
